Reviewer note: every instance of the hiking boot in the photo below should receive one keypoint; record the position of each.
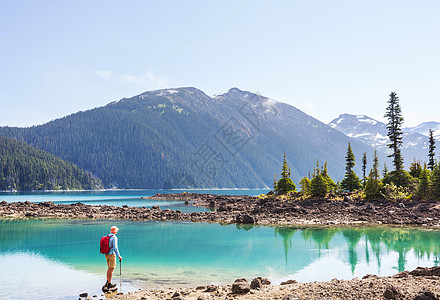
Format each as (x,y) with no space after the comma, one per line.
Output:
(110,285)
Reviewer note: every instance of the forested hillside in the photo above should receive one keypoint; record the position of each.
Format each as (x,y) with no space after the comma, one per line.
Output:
(23,167)
(185,138)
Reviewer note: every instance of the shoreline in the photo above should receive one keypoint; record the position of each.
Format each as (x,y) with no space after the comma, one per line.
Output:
(419,284)
(245,210)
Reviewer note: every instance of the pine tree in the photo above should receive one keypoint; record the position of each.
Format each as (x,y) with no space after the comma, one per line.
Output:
(431,154)
(425,183)
(331,185)
(285,184)
(351,180)
(435,183)
(275,184)
(385,170)
(364,168)
(415,169)
(374,184)
(395,121)
(306,185)
(318,186)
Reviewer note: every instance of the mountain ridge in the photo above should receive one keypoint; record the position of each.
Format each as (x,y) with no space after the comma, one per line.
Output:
(181,137)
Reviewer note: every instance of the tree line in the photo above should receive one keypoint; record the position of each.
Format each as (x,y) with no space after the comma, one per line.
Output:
(422,181)
(23,167)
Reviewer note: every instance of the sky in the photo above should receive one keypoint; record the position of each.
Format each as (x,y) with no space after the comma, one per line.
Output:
(323,57)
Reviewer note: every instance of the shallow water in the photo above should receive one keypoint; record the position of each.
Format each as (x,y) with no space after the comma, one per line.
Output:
(60,258)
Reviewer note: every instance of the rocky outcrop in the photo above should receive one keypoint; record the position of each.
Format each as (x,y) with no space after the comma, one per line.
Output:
(246,210)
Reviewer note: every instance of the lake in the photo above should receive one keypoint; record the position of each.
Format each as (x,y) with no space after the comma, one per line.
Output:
(59,259)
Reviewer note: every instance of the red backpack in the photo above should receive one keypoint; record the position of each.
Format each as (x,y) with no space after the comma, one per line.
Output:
(105,248)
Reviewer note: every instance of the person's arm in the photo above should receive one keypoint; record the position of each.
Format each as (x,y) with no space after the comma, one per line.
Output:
(115,246)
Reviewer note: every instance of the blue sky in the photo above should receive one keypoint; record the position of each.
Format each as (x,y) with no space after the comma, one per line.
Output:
(323,57)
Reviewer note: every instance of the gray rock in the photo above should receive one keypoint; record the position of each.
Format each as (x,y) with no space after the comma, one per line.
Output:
(84,295)
(391,292)
(241,286)
(211,288)
(425,295)
(290,281)
(256,284)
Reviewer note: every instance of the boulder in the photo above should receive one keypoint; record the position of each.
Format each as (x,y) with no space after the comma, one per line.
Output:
(244,219)
(241,286)
(391,292)
(256,284)
(84,295)
(425,295)
(211,288)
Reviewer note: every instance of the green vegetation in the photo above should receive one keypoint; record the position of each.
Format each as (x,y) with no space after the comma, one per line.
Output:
(351,181)
(23,167)
(285,184)
(422,182)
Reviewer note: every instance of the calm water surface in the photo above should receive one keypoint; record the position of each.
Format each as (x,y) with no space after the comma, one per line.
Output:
(59,259)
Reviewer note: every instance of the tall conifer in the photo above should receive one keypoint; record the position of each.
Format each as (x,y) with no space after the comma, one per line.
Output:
(364,168)
(394,127)
(351,180)
(431,154)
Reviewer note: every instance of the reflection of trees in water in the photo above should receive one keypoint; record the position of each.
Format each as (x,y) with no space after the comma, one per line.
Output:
(353,236)
(321,237)
(286,234)
(424,243)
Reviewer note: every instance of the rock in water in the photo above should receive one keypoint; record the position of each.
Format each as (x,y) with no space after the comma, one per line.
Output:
(241,286)
(83,295)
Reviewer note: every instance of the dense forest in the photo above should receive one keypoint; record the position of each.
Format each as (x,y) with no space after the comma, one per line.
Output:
(23,167)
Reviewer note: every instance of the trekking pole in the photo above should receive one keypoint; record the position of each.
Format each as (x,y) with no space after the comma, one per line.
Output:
(120,276)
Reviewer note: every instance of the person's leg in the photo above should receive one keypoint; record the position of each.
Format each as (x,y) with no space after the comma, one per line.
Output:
(109,274)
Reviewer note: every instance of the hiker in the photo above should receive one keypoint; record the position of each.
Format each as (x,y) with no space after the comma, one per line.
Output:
(111,256)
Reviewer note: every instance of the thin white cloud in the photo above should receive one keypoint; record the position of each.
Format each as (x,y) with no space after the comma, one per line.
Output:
(105,74)
(310,105)
(146,79)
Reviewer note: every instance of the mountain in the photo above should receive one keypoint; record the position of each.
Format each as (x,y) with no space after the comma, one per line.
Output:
(23,167)
(184,138)
(374,134)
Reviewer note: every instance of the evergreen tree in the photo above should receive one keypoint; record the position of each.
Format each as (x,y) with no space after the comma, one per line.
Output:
(425,183)
(319,186)
(395,121)
(331,185)
(435,183)
(415,169)
(385,170)
(285,184)
(364,168)
(275,184)
(431,154)
(306,185)
(374,184)
(351,180)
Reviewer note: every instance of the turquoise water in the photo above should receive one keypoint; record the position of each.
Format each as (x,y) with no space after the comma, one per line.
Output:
(119,197)
(60,258)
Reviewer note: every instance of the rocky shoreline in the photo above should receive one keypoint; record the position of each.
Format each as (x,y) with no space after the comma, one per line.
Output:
(419,284)
(245,210)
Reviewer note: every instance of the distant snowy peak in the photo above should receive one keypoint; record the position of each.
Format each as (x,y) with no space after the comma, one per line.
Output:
(374,134)
(424,129)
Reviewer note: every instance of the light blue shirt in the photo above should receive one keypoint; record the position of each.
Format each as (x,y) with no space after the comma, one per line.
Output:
(113,244)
